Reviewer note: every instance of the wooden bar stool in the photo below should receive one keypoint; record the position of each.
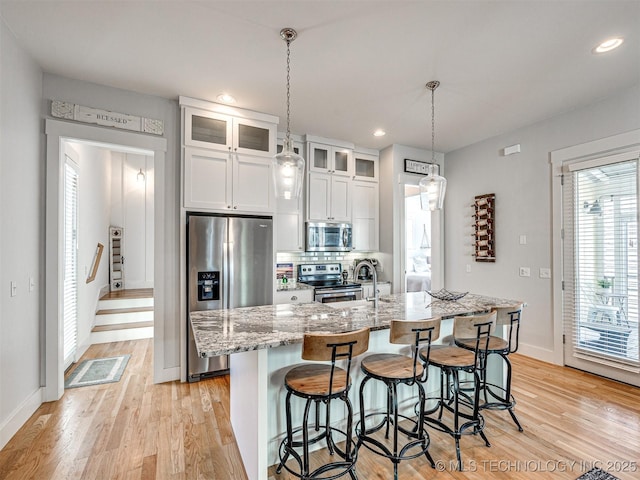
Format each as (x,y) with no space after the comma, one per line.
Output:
(498,397)
(321,383)
(452,360)
(394,369)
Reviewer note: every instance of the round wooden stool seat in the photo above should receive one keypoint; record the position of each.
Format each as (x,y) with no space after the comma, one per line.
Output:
(314,380)
(451,356)
(496,344)
(390,366)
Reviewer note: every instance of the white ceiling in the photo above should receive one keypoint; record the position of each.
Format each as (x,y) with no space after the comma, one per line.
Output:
(356,65)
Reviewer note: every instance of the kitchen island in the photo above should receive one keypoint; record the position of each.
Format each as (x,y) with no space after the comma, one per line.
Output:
(266,341)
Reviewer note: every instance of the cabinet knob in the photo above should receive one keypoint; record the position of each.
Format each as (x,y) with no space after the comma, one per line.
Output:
(228,206)
(235,207)
(294,298)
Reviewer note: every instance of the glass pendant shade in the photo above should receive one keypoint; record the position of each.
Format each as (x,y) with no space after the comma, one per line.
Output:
(432,190)
(288,172)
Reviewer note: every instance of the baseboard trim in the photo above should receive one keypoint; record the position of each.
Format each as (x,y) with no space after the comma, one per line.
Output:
(19,416)
(538,353)
(167,375)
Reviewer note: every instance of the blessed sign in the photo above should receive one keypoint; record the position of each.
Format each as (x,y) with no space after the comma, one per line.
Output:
(71,111)
(422,168)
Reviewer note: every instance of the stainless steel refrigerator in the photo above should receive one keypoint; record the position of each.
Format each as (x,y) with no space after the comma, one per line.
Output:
(229,265)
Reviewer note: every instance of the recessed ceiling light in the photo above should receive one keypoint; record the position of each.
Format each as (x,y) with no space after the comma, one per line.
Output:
(608,45)
(226,98)
(379,133)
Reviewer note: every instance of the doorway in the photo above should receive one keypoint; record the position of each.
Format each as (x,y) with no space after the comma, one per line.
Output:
(600,205)
(115,302)
(58,133)
(418,235)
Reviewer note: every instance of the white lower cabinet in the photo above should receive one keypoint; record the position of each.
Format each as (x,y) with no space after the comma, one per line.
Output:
(227,181)
(383,288)
(293,296)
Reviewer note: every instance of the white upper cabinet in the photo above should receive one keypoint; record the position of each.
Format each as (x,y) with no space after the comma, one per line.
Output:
(330,171)
(332,159)
(227,156)
(365,166)
(365,216)
(207,129)
(208,179)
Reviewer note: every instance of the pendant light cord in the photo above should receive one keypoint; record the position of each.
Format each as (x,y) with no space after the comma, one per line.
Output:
(288,90)
(432,86)
(433,125)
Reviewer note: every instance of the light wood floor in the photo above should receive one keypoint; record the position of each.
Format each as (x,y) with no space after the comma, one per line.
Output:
(134,429)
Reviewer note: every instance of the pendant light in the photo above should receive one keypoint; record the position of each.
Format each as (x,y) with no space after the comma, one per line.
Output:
(288,166)
(433,186)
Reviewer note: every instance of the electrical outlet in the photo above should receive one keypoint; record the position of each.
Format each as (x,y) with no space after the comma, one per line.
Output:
(525,272)
(545,273)
(523,239)
(14,289)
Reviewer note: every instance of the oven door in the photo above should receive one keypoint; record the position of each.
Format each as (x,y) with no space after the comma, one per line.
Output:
(331,295)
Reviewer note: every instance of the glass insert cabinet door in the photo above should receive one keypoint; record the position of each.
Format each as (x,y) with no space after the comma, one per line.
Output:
(366,167)
(330,159)
(223,132)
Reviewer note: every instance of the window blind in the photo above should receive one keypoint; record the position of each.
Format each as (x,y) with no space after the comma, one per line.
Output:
(600,210)
(70,264)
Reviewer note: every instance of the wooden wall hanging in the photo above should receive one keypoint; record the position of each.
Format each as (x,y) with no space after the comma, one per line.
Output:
(484,208)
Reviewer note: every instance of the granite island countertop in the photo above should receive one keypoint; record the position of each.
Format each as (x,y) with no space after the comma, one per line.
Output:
(222,332)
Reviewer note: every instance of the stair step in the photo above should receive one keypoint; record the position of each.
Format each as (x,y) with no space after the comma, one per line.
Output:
(121,326)
(112,311)
(141,297)
(130,293)
(121,335)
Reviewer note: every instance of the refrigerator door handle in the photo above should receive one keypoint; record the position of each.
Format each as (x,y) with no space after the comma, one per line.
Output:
(230,275)
(225,275)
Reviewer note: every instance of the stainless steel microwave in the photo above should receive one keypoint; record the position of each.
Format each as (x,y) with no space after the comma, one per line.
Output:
(328,237)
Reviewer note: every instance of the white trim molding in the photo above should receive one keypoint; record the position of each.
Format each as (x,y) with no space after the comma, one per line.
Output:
(19,416)
(615,144)
(57,132)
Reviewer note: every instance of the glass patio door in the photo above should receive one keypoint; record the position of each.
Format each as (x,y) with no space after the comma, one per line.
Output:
(600,297)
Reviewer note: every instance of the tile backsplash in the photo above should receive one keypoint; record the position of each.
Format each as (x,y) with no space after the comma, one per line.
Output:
(347,259)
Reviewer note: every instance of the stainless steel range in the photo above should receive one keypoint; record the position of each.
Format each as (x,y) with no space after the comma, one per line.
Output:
(328,282)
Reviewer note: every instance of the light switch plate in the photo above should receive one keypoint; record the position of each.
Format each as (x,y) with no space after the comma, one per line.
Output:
(545,273)
(525,272)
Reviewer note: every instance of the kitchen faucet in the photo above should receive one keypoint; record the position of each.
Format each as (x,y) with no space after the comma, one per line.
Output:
(367,263)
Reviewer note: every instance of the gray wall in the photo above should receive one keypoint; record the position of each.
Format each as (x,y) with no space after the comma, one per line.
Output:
(99,96)
(522,184)
(21,233)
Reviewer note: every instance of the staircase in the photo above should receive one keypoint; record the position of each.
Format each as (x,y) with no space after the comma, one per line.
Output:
(124,315)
